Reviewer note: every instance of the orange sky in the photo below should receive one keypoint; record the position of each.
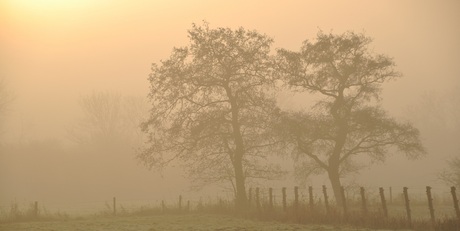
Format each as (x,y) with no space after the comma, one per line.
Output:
(52,51)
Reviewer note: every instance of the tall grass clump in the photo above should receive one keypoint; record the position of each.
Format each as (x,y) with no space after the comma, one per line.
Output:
(30,213)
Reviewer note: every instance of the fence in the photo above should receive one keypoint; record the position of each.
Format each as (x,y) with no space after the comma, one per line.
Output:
(357,201)
(25,210)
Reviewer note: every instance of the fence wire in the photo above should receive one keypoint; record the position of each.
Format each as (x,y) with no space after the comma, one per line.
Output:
(442,202)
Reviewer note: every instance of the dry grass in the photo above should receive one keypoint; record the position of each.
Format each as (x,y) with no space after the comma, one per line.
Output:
(223,216)
(171,222)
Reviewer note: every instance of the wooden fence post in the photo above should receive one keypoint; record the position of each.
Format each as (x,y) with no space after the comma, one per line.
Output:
(455,200)
(310,196)
(250,197)
(257,199)
(344,202)
(296,198)
(270,195)
(326,202)
(384,202)
(180,202)
(296,203)
(36,209)
(163,207)
(430,205)
(406,199)
(363,201)
(284,198)
(391,195)
(114,206)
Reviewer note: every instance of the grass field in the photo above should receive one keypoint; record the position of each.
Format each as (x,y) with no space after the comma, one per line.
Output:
(165,222)
(221,215)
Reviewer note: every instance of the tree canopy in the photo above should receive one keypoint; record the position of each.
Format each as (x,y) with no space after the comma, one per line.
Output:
(211,107)
(347,120)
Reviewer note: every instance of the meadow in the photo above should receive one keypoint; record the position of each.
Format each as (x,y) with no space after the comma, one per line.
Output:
(168,222)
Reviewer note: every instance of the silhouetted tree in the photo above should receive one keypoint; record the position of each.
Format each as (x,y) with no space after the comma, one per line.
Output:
(110,118)
(436,114)
(210,108)
(347,120)
(451,175)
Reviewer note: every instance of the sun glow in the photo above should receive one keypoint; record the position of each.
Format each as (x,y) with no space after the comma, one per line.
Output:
(49,4)
(36,14)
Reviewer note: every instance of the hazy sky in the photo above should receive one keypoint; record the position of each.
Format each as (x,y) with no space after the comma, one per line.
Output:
(52,51)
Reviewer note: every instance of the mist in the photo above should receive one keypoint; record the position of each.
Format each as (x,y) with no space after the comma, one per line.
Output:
(53,57)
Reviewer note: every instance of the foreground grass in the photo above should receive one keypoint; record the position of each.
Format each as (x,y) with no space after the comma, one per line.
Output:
(166,222)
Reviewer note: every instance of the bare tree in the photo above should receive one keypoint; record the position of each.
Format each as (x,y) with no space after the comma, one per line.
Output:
(450,105)
(437,116)
(347,120)
(211,109)
(101,118)
(451,175)
(110,118)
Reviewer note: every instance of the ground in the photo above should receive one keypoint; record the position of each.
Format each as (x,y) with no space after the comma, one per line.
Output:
(165,222)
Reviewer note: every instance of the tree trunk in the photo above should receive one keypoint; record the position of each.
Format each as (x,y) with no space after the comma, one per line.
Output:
(340,139)
(241,200)
(334,178)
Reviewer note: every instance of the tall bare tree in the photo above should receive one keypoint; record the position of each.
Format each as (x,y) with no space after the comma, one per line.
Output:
(110,118)
(211,108)
(347,120)
(101,119)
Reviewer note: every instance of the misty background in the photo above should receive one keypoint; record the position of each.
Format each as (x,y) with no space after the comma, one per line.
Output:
(53,56)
